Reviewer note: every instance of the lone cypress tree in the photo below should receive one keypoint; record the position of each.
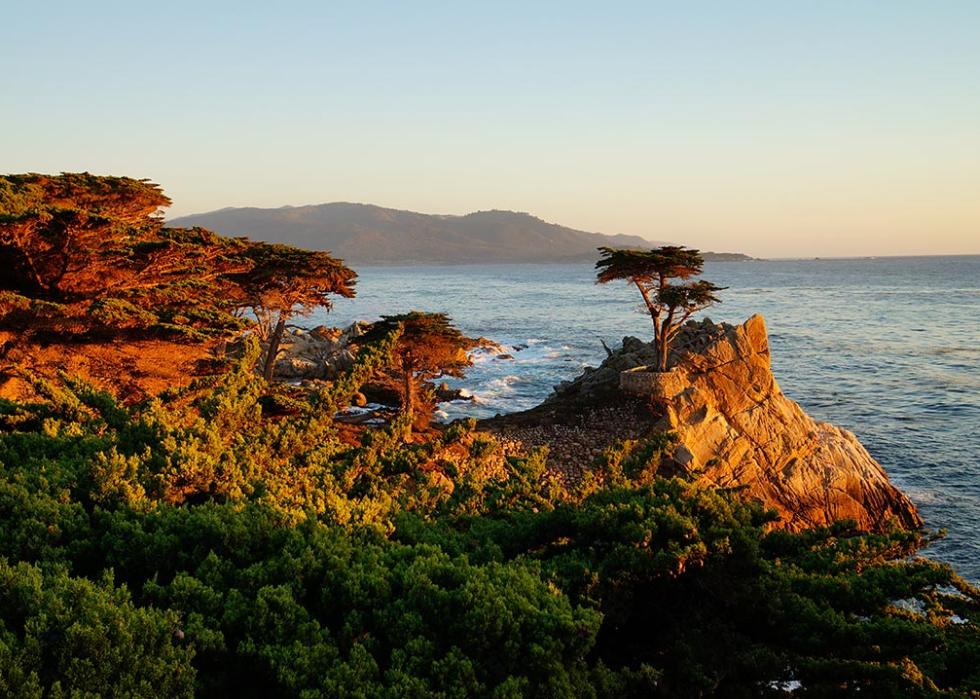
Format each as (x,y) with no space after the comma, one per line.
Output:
(651,271)
(679,302)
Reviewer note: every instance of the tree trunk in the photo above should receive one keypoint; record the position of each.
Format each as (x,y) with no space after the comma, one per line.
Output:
(666,335)
(654,314)
(274,340)
(409,407)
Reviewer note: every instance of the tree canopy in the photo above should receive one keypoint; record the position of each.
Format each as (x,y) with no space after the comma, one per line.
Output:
(284,281)
(648,269)
(55,230)
(84,255)
(428,346)
(651,271)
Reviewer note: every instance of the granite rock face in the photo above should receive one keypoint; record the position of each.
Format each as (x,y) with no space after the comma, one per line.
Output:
(320,353)
(737,429)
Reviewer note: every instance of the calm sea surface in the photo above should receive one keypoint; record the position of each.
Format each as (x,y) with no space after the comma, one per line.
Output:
(888,348)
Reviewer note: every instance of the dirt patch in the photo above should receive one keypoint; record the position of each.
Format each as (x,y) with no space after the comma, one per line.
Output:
(574,435)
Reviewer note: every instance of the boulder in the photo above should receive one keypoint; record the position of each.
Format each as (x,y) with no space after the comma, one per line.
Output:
(292,368)
(318,353)
(354,331)
(643,381)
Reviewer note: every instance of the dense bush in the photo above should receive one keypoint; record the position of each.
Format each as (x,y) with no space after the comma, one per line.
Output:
(195,544)
(63,636)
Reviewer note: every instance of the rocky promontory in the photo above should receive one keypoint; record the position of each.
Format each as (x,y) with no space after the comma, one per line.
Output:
(736,429)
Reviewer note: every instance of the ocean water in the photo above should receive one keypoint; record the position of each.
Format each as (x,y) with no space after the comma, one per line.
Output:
(888,348)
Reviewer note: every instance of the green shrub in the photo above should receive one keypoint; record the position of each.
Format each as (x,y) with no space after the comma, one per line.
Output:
(198,545)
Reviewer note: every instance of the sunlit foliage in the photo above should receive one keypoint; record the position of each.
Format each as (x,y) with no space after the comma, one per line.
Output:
(429,346)
(82,254)
(668,302)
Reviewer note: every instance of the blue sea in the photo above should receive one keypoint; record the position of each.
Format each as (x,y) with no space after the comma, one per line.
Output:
(888,348)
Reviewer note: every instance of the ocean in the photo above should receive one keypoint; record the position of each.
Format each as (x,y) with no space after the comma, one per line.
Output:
(888,348)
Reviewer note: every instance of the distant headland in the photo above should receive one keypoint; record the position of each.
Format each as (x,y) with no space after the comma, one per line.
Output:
(366,234)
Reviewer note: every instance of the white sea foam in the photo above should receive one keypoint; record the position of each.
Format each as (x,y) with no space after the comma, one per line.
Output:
(505,381)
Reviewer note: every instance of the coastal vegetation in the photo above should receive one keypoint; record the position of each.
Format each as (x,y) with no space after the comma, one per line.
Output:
(230,536)
(427,346)
(87,260)
(670,304)
(82,256)
(284,281)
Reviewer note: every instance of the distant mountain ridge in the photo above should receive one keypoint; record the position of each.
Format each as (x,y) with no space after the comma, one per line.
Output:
(369,234)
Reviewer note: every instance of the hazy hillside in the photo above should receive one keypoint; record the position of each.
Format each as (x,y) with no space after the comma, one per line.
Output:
(367,234)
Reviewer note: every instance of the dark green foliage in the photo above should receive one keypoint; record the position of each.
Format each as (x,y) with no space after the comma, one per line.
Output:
(649,267)
(65,636)
(201,544)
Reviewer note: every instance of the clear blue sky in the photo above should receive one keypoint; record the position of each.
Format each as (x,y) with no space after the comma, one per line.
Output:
(775,128)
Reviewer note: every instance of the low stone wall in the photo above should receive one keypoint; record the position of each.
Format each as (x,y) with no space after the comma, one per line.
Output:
(647,382)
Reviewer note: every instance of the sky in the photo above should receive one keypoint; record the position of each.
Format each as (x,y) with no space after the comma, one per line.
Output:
(779,129)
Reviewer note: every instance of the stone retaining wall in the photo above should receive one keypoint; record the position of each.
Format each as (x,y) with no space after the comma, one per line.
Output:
(646,382)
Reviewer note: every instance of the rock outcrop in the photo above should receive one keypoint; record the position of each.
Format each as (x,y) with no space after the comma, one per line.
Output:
(736,429)
(324,353)
(320,353)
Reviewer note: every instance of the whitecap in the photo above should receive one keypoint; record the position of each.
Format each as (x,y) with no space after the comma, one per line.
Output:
(505,381)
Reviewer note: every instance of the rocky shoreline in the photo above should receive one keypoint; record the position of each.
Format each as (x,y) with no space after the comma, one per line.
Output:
(735,429)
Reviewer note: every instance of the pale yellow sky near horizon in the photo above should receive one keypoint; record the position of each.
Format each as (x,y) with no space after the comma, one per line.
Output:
(783,180)
(784,207)
(777,129)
